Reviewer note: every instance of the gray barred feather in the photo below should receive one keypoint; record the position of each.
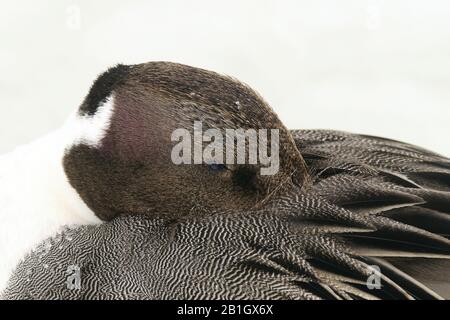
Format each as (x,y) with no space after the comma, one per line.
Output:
(372,201)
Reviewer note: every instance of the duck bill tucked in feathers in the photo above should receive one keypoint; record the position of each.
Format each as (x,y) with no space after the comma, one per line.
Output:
(349,216)
(318,242)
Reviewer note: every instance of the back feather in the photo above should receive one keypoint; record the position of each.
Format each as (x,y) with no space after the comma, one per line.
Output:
(372,202)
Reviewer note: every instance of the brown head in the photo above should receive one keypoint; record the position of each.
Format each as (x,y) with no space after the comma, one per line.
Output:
(125,167)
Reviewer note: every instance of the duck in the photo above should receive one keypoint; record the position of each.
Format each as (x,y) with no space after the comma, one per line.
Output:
(346,216)
(112,157)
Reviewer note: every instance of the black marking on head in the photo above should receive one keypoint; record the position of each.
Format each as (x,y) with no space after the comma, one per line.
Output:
(150,101)
(102,88)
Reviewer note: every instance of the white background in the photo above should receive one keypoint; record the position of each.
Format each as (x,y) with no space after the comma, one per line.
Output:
(367,66)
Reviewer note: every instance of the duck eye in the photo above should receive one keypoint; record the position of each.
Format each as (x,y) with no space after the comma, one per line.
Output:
(217,166)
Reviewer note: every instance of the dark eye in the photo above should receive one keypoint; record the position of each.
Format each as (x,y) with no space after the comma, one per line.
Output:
(217,166)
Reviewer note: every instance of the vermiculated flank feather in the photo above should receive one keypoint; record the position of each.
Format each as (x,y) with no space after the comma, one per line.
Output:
(372,202)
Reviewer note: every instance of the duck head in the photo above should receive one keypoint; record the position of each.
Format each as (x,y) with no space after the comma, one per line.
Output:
(120,157)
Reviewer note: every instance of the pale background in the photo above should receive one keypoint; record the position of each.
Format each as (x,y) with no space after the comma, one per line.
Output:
(368,66)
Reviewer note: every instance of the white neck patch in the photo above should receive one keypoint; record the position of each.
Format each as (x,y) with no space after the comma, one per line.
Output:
(36,198)
(90,130)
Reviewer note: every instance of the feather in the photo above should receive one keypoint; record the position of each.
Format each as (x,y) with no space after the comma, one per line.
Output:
(372,202)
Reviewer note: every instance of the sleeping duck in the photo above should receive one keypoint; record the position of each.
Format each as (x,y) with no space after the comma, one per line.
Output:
(109,215)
